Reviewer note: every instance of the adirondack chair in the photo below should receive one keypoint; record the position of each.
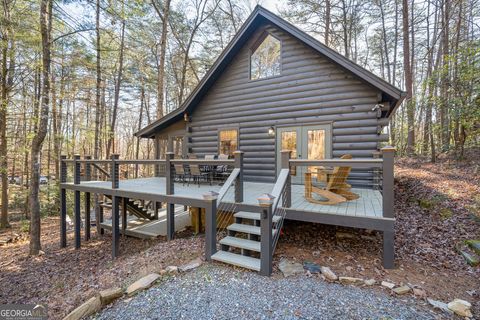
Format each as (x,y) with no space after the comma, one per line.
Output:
(337,190)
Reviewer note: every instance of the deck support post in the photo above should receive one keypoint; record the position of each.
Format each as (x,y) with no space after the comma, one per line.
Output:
(388,154)
(115,226)
(389,249)
(170,221)
(285,164)
(78,220)
(63,203)
(88,177)
(210,229)
(239,180)
(114,175)
(124,215)
(266,241)
(99,219)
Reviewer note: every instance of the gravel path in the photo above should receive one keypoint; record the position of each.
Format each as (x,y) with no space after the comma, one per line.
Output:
(218,292)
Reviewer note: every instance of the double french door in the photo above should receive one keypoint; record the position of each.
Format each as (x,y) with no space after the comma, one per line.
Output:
(312,142)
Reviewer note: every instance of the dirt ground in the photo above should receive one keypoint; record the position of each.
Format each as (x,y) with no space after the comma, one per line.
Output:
(437,206)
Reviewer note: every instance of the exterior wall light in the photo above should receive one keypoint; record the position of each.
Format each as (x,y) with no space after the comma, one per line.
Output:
(271,131)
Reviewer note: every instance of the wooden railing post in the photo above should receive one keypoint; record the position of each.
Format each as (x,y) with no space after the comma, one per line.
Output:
(76,180)
(88,177)
(376,172)
(285,164)
(388,154)
(239,180)
(266,240)
(114,171)
(170,188)
(63,202)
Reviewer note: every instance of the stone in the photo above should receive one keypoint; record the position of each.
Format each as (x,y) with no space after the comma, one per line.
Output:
(388,285)
(344,235)
(142,284)
(439,305)
(171,269)
(471,259)
(402,290)
(311,267)
(329,274)
(191,265)
(460,307)
(290,268)
(350,280)
(419,293)
(474,244)
(88,308)
(109,295)
(348,268)
(369,282)
(316,253)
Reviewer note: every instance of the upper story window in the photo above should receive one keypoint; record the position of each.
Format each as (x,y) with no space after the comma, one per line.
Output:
(265,58)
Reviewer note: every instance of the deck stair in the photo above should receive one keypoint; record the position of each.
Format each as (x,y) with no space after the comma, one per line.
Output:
(134,208)
(242,247)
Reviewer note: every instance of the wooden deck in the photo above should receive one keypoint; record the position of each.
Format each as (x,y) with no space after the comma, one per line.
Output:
(368,205)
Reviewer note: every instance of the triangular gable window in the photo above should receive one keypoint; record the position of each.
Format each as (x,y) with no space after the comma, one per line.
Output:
(265,58)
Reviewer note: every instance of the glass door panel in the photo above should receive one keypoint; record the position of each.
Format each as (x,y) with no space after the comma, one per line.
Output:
(289,139)
(315,148)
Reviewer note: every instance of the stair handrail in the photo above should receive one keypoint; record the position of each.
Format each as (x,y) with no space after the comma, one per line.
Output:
(279,187)
(279,192)
(228,183)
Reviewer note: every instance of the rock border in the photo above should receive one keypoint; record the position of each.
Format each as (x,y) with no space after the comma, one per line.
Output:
(105,297)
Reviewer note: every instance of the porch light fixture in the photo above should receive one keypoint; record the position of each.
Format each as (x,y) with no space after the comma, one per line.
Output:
(186,118)
(210,195)
(271,131)
(265,199)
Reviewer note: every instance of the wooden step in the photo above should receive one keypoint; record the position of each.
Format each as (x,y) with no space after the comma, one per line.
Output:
(245,228)
(237,260)
(241,243)
(253,216)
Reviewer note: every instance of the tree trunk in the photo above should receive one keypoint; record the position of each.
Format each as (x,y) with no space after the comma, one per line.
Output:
(162,53)
(37,142)
(98,92)
(327,22)
(408,81)
(116,98)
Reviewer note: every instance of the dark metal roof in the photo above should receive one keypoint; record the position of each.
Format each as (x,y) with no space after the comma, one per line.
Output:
(259,17)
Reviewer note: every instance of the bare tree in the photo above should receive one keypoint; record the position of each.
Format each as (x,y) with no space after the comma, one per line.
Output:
(37,142)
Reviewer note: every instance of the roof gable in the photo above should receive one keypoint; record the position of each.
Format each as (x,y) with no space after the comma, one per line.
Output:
(258,17)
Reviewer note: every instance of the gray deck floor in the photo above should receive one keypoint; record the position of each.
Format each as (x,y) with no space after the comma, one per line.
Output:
(368,205)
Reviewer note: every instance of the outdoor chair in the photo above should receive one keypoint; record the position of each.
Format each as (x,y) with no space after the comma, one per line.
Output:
(180,173)
(197,175)
(222,170)
(337,190)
